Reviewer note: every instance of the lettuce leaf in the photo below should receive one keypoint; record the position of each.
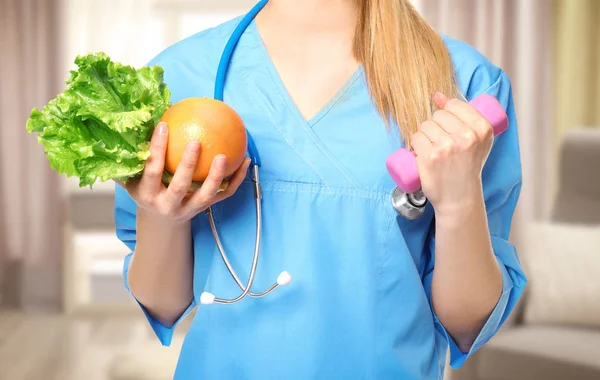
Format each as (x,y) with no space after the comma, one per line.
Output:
(100,127)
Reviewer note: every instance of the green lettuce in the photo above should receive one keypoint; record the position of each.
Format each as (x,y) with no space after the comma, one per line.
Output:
(100,127)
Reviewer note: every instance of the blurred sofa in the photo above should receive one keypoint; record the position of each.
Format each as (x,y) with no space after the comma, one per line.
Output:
(554,334)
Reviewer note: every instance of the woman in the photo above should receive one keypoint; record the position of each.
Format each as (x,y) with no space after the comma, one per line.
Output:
(328,89)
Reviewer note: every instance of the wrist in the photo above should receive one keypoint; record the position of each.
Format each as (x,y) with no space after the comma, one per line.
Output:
(470,201)
(148,217)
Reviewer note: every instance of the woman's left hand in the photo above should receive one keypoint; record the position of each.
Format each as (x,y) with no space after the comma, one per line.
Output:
(451,150)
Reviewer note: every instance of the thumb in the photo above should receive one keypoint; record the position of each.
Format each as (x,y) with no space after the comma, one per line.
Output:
(440,100)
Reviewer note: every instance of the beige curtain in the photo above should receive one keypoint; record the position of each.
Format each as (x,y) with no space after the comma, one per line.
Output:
(31,209)
(516,35)
(577,74)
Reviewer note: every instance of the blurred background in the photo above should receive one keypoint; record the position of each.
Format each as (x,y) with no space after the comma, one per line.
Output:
(64,313)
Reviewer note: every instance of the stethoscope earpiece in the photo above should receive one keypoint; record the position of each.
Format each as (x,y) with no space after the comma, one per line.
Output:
(207,298)
(283,279)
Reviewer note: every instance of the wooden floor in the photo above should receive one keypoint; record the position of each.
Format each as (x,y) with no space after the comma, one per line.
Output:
(42,347)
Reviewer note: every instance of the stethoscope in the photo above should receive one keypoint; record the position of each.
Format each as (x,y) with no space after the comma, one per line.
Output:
(407,198)
(284,277)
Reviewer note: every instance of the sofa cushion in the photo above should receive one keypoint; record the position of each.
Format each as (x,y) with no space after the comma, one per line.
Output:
(578,197)
(545,353)
(562,262)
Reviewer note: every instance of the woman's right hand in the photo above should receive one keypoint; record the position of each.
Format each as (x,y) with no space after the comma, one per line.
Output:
(174,202)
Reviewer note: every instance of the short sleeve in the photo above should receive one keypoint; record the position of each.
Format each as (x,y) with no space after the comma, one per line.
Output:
(125,222)
(501,179)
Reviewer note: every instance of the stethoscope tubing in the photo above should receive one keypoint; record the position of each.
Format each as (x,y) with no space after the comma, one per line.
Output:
(284,277)
(224,67)
(245,289)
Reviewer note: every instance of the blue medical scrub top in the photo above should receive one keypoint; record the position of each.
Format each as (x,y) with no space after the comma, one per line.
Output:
(359,305)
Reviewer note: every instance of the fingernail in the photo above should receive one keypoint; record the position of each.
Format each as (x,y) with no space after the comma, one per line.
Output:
(224,185)
(162,128)
(193,146)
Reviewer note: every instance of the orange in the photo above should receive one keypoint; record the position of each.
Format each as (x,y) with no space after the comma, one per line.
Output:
(218,128)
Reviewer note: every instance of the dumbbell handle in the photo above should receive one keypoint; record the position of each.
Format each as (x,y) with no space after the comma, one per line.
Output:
(402,164)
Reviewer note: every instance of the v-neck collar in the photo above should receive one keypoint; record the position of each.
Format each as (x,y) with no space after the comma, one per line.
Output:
(272,70)
(269,96)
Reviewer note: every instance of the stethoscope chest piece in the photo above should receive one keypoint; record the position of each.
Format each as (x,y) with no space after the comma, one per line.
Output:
(410,205)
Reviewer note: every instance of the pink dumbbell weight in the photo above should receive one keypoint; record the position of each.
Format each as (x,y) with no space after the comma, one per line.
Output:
(408,199)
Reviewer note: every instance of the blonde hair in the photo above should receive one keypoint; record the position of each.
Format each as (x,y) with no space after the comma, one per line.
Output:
(405,62)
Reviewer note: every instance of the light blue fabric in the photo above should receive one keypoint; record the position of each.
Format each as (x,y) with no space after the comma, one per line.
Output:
(359,305)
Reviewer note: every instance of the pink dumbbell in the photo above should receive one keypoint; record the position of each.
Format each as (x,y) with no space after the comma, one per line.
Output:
(408,199)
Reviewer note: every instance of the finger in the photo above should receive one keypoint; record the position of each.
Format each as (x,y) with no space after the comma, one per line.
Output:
(451,124)
(235,181)
(440,100)
(463,111)
(206,194)
(433,132)
(131,185)
(152,176)
(182,179)
(210,187)
(202,199)
(420,143)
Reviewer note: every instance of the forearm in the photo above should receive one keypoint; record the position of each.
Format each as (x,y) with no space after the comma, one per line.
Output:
(467,281)
(161,271)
